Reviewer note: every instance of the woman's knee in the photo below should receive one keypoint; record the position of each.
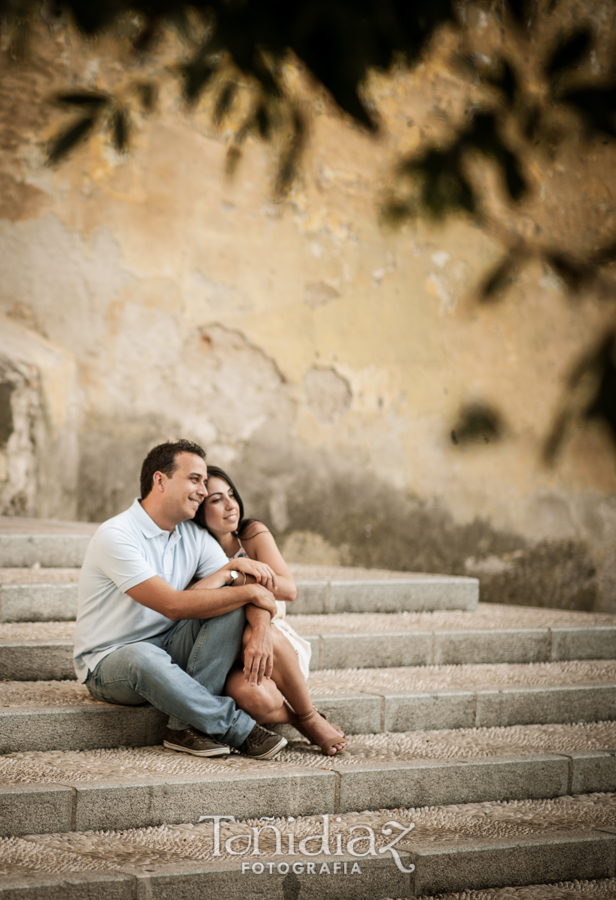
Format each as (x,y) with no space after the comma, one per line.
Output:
(260,701)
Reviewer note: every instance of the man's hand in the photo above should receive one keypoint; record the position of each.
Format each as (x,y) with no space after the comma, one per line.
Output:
(259,651)
(263,599)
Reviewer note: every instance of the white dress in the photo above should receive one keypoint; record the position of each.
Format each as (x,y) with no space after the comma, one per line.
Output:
(302,647)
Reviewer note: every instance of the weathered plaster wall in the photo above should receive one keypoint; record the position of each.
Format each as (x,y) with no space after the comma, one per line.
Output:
(319,356)
(39,425)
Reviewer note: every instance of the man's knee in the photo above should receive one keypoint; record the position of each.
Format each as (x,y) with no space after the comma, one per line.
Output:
(130,663)
(231,623)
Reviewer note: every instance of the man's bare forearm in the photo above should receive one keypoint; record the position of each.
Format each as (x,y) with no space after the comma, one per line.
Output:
(256,616)
(200,604)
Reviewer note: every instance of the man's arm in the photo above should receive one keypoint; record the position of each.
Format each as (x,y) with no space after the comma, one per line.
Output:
(157,594)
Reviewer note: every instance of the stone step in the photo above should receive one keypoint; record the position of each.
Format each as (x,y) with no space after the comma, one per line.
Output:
(492,633)
(62,715)
(338,589)
(574,889)
(56,791)
(449,848)
(43,542)
(42,594)
(38,595)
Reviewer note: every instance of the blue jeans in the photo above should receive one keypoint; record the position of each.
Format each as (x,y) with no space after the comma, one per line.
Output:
(182,672)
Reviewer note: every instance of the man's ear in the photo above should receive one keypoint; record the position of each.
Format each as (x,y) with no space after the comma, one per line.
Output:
(159,481)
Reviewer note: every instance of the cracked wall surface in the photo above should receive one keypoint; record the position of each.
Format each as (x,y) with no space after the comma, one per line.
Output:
(318,356)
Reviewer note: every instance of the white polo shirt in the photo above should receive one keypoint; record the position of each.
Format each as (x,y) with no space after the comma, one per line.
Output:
(126,550)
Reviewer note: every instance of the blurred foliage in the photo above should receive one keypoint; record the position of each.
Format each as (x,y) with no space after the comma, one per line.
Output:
(478,423)
(339,44)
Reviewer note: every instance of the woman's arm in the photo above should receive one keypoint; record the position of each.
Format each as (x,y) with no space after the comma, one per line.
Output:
(259,544)
(254,572)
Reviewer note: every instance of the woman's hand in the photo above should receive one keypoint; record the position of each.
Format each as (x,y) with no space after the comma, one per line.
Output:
(261,572)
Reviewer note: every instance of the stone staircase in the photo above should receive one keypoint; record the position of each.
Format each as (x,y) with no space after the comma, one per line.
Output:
(490,729)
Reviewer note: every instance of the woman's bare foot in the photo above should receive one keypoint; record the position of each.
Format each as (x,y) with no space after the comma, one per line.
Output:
(319,731)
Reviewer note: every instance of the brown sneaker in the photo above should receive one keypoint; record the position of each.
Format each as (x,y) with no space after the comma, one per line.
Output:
(193,741)
(262,744)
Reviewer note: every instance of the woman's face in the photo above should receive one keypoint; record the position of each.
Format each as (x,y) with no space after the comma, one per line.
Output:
(222,511)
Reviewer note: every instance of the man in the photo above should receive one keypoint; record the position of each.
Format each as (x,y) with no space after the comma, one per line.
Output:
(141,636)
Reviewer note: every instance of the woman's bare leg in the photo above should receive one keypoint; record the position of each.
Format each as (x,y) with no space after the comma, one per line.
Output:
(265,702)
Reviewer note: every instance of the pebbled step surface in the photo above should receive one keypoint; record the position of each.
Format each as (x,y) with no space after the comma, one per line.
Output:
(41,767)
(437,824)
(605,889)
(333,682)
(492,634)
(63,715)
(493,841)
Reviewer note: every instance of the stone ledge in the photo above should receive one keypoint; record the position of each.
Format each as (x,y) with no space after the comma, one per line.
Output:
(279,789)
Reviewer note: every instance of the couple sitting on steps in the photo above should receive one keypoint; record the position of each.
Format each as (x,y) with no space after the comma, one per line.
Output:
(181,604)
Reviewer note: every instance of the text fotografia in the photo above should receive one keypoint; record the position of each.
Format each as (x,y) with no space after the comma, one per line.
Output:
(320,844)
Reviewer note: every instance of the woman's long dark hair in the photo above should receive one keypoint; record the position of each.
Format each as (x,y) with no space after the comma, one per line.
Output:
(242,525)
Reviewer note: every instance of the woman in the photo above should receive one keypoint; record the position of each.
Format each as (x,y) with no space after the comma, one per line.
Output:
(284,697)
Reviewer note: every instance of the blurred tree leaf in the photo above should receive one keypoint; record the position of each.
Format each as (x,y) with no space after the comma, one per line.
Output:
(443,186)
(234,154)
(519,10)
(591,394)
(224,101)
(499,277)
(61,145)
(94,99)
(576,274)
(289,158)
(196,74)
(263,122)
(596,105)
(147,92)
(603,404)
(119,129)
(478,423)
(505,80)
(569,52)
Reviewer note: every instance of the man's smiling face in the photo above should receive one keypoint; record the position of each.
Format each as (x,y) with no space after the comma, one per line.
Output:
(186,488)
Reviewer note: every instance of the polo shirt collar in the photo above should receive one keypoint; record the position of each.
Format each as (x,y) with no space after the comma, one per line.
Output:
(147,525)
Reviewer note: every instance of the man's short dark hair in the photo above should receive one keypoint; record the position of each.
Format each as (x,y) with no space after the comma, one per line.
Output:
(162,459)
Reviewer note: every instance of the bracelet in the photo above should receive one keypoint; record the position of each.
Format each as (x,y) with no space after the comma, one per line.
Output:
(245,578)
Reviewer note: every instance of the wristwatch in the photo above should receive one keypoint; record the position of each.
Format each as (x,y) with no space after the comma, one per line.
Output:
(234,576)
